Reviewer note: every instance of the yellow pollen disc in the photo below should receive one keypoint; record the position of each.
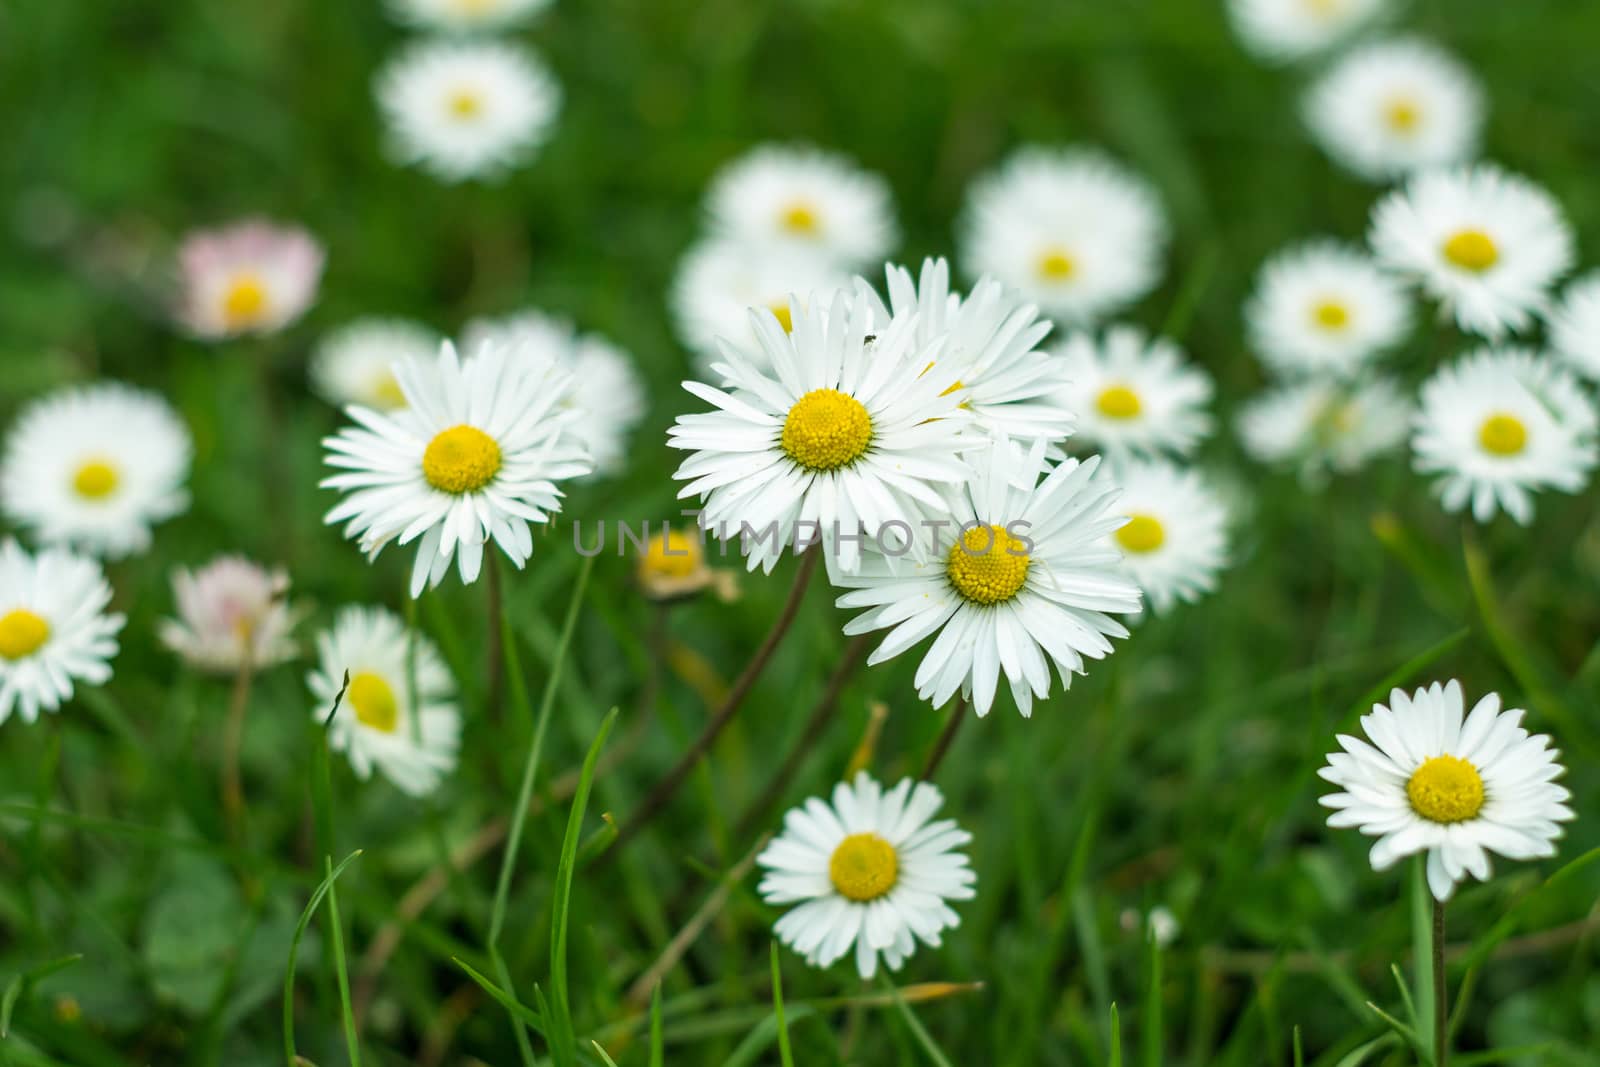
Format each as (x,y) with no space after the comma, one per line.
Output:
(987,565)
(1403,115)
(466,104)
(673,555)
(245,302)
(386,392)
(1056,266)
(475,7)
(1446,789)
(95,480)
(1118,402)
(800,218)
(373,702)
(864,867)
(462,459)
(826,430)
(1331,315)
(1503,435)
(21,634)
(785,317)
(1143,533)
(1472,250)
(1324,8)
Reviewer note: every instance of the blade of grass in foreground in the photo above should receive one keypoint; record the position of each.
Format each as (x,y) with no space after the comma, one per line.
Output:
(340,969)
(784,1052)
(321,891)
(914,1024)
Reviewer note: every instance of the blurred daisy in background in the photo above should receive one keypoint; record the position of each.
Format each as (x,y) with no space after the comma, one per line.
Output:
(1391,108)
(1575,326)
(1024,576)
(1135,395)
(1322,308)
(1499,425)
(95,467)
(249,277)
(231,613)
(1323,427)
(1070,229)
(1176,537)
(800,195)
(1005,381)
(673,566)
(54,628)
(354,364)
(466,16)
(843,431)
(1487,244)
(871,874)
(1429,778)
(474,455)
(399,712)
(466,109)
(1282,31)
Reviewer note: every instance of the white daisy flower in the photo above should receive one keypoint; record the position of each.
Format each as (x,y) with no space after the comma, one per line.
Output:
(1324,427)
(1499,425)
(1485,243)
(992,339)
(1322,308)
(842,436)
(1282,31)
(466,16)
(1023,576)
(799,195)
(231,612)
(1176,537)
(249,277)
(1136,395)
(94,467)
(399,712)
(1071,229)
(354,364)
(475,454)
(54,629)
(1458,787)
(870,872)
(1575,326)
(1395,107)
(467,109)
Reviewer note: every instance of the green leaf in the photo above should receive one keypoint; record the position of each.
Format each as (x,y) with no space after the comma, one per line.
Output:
(1359,1056)
(22,984)
(1115,1057)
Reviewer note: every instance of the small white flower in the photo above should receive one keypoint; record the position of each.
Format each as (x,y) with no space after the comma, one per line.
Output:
(231,612)
(798,195)
(95,467)
(1427,781)
(466,16)
(1135,395)
(1071,229)
(1323,426)
(355,363)
(870,872)
(1488,245)
(467,109)
(54,629)
(250,277)
(1282,31)
(1176,537)
(1500,425)
(1575,326)
(399,712)
(1322,308)
(1396,107)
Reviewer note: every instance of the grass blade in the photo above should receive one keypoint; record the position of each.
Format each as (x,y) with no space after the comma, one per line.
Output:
(784,1054)
(918,1031)
(1115,1057)
(340,969)
(289,1055)
(658,1052)
(504,999)
(20,984)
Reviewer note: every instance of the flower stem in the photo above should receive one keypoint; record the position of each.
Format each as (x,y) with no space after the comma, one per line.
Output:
(1441,1008)
(941,748)
(494,655)
(233,741)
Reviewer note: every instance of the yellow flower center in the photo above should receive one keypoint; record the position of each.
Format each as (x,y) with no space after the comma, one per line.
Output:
(373,702)
(1143,533)
(987,565)
(1446,789)
(1324,8)
(1118,402)
(672,555)
(1403,115)
(800,218)
(826,430)
(780,309)
(95,480)
(245,302)
(1503,435)
(462,459)
(864,867)
(1056,266)
(1472,250)
(386,391)
(465,104)
(1331,315)
(476,7)
(22,633)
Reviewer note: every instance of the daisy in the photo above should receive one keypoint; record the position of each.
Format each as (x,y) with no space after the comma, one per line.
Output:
(231,613)
(870,872)
(250,277)
(1024,577)
(1322,308)
(474,454)
(1395,107)
(467,109)
(1500,425)
(1176,536)
(399,712)
(1071,229)
(1575,326)
(466,15)
(1134,394)
(799,195)
(673,566)
(1323,426)
(1282,31)
(95,467)
(355,363)
(1427,781)
(54,629)
(842,436)
(992,339)
(1485,243)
